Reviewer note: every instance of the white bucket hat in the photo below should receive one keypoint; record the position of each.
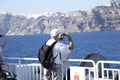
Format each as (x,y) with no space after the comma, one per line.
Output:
(55,32)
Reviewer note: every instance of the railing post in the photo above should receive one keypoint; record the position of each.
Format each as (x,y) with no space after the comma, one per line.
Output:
(19,61)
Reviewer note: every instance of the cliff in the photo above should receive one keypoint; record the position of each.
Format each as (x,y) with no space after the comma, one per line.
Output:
(101,18)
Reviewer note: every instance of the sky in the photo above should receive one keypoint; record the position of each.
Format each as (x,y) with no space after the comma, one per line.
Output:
(48,6)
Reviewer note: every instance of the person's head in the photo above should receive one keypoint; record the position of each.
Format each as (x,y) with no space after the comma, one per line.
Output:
(56,34)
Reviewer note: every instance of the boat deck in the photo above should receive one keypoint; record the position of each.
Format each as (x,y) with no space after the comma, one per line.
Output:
(79,69)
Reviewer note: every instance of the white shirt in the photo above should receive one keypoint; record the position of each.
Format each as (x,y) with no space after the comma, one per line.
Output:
(60,50)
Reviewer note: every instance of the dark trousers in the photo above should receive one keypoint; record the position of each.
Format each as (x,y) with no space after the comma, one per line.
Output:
(56,71)
(1,72)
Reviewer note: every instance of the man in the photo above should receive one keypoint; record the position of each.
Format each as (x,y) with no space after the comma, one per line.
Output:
(61,51)
(2,46)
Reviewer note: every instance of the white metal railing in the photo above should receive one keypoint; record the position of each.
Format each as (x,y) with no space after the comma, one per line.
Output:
(85,73)
(19,60)
(108,73)
(34,71)
(24,71)
(29,72)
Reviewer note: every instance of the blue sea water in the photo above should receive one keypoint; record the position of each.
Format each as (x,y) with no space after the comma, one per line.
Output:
(105,43)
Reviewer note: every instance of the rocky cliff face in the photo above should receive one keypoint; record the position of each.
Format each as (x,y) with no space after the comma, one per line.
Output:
(101,18)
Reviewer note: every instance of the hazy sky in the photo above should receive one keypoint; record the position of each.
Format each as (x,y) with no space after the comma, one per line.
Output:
(45,6)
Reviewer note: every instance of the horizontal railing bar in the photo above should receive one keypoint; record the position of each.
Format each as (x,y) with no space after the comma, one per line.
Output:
(13,58)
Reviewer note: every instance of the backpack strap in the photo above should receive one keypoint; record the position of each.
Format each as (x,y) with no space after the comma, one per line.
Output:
(53,44)
(52,47)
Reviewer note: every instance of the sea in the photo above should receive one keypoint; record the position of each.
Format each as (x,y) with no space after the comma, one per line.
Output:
(105,43)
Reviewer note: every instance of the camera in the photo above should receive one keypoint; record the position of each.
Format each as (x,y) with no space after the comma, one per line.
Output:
(63,35)
(0,35)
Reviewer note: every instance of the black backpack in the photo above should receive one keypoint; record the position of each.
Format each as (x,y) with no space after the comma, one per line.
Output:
(45,55)
(7,75)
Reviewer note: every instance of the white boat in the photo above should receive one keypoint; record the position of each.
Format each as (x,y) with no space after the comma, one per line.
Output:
(79,69)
